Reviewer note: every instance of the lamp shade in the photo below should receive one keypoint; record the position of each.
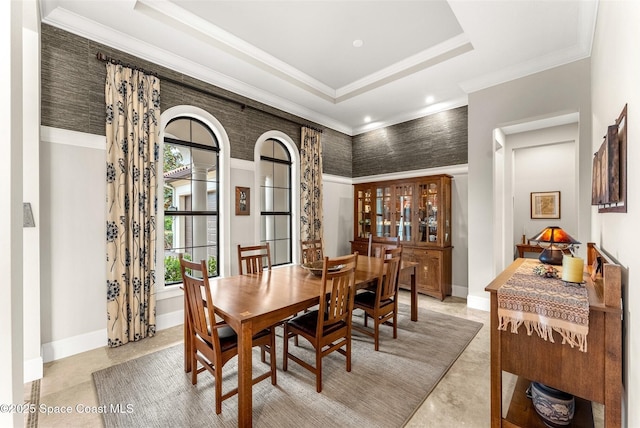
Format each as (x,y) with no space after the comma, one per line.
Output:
(558,240)
(554,235)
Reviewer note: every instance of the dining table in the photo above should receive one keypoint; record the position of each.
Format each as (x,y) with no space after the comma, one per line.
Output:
(252,302)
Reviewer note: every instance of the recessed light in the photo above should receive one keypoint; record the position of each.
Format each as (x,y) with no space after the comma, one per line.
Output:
(357,43)
(367,119)
(430,99)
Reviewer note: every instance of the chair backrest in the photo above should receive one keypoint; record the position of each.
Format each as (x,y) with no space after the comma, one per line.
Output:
(389,276)
(200,309)
(254,258)
(311,251)
(378,245)
(339,287)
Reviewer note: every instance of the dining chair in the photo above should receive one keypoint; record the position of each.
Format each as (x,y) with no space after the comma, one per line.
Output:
(213,342)
(254,258)
(311,251)
(381,302)
(378,245)
(327,328)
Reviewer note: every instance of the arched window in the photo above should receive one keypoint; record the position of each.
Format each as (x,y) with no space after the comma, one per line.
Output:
(190,196)
(276,200)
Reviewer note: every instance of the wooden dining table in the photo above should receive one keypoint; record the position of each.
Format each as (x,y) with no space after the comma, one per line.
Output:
(250,303)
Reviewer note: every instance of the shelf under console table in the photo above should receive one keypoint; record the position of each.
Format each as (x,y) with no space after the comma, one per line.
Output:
(595,375)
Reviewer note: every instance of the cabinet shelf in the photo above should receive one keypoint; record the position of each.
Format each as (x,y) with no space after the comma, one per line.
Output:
(521,412)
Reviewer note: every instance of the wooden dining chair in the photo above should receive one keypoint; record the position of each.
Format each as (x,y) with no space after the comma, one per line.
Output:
(214,343)
(327,328)
(378,245)
(311,251)
(254,258)
(381,302)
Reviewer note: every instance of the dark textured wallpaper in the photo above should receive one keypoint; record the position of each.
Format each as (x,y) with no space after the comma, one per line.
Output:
(428,142)
(72,97)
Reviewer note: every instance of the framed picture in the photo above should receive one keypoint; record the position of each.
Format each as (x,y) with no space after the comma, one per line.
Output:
(242,201)
(545,205)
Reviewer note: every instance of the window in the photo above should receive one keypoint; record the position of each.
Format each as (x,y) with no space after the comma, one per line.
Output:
(191,197)
(275,200)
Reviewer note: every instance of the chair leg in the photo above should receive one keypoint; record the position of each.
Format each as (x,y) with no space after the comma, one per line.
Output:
(395,325)
(218,386)
(194,363)
(319,370)
(376,334)
(285,348)
(348,352)
(272,357)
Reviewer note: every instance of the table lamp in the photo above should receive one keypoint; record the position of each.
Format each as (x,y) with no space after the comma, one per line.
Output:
(558,241)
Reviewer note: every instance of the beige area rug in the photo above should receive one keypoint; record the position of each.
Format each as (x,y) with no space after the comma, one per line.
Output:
(383,389)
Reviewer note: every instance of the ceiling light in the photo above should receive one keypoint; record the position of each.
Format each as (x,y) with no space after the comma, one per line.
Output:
(430,99)
(357,43)
(367,119)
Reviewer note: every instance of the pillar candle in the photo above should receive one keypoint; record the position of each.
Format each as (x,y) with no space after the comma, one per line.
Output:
(572,269)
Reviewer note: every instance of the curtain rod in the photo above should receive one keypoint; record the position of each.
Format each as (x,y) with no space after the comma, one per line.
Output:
(104,58)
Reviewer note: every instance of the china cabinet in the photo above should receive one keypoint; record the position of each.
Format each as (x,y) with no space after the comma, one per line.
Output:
(418,212)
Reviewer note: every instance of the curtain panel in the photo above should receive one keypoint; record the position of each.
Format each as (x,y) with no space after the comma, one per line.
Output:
(311,185)
(132,114)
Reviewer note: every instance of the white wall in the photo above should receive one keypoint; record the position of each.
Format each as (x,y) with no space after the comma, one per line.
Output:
(554,149)
(615,68)
(554,92)
(337,201)
(11,302)
(33,367)
(73,251)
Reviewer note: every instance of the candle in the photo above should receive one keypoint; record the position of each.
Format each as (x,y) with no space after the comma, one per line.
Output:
(572,269)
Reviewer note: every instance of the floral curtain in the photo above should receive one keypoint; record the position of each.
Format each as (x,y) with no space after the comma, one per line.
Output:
(132,113)
(311,185)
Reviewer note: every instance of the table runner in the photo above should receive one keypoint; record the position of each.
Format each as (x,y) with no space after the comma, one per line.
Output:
(544,305)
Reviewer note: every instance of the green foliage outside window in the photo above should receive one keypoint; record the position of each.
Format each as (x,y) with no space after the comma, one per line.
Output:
(172,268)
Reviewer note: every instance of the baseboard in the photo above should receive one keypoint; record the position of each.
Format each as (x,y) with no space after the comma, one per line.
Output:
(74,345)
(459,291)
(169,320)
(33,369)
(97,339)
(481,303)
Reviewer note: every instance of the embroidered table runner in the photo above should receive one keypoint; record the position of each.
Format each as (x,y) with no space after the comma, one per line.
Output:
(544,305)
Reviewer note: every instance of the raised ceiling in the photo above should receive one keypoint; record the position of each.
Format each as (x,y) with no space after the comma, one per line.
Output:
(299,56)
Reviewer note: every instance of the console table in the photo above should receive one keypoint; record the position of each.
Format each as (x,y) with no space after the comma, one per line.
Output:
(527,248)
(595,375)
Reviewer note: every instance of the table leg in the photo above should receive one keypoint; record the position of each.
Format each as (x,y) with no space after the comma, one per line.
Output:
(496,366)
(245,362)
(414,296)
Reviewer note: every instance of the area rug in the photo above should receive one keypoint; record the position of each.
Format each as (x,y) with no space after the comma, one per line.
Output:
(383,389)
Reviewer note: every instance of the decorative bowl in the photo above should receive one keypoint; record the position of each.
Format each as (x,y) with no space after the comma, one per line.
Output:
(555,407)
(316,267)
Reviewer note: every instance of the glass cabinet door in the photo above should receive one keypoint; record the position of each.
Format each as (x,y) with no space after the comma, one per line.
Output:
(383,211)
(363,210)
(428,211)
(403,212)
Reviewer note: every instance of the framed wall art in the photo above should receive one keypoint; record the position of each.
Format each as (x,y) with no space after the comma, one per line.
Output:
(243,201)
(609,179)
(545,205)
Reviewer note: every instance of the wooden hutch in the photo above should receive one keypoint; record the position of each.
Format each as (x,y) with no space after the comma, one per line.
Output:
(418,212)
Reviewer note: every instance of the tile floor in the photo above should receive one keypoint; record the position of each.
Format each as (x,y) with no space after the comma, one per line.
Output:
(461,399)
